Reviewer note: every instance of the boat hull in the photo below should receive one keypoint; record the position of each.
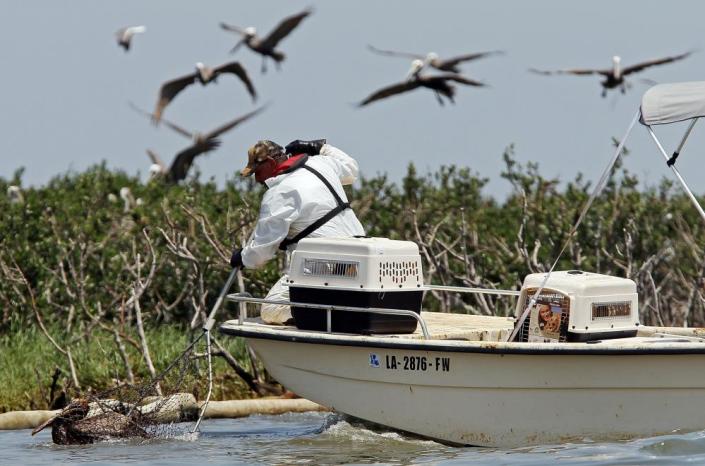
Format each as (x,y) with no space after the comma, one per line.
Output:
(496,398)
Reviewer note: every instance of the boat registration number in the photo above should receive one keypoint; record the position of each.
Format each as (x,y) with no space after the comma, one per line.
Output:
(411,363)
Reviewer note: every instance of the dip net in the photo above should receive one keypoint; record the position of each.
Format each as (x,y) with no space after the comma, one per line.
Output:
(164,406)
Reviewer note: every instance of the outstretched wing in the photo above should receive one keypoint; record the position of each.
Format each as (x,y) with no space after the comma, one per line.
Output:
(238,70)
(231,124)
(169,90)
(174,126)
(126,33)
(451,63)
(576,71)
(184,159)
(458,78)
(120,33)
(392,53)
(389,91)
(658,61)
(283,29)
(155,159)
(232,28)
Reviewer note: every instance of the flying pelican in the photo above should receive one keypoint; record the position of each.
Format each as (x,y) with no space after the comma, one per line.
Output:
(266,46)
(201,143)
(614,77)
(124,35)
(439,84)
(14,194)
(433,60)
(204,75)
(416,67)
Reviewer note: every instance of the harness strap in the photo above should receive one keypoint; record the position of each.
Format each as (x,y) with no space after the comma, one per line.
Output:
(341,206)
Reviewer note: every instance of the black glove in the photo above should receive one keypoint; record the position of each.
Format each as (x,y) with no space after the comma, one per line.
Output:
(236,259)
(305,147)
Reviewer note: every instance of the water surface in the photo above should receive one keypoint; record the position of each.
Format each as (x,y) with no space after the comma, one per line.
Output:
(320,438)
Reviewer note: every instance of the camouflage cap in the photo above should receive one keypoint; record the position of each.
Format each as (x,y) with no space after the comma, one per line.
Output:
(259,153)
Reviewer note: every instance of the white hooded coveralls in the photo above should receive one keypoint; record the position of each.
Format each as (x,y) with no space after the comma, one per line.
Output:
(294,201)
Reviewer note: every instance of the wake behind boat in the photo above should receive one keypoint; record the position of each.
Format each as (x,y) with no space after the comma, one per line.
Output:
(574,363)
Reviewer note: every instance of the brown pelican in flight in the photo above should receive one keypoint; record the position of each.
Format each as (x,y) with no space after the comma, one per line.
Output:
(433,60)
(201,143)
(124,35)
(440,84)
(204,75)
(265,46)
(614,77)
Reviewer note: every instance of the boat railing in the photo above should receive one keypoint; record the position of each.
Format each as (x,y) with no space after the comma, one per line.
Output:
(244,298)
(464,289)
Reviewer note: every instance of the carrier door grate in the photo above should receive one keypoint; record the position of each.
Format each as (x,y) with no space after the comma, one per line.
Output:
(330,268)
(612,311)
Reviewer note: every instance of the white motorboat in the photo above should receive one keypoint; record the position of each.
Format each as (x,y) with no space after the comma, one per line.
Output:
(573,364)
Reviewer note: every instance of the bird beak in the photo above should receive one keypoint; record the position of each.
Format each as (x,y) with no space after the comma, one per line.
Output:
(237,46)
(44,425)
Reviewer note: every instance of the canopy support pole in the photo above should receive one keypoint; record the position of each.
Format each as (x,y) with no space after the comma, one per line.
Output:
(677,152)
(676,172)
(596,192)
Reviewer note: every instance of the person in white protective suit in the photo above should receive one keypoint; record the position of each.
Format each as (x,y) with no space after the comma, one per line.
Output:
(305,198)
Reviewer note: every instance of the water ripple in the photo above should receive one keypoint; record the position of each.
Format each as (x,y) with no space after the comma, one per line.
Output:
(317,438)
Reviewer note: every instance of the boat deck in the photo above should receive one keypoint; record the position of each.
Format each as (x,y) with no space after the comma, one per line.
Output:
(445,326)
(469,331)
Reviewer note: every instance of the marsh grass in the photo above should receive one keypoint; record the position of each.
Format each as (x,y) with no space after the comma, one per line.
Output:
(28,360)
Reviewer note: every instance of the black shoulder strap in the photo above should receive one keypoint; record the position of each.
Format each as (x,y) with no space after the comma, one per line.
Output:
(341,206)
(338,200)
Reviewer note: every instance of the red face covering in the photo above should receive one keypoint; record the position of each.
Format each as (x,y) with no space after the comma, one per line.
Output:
(269,168)
(265,170)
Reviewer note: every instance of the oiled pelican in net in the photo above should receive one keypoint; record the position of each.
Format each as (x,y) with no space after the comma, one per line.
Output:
(72,426)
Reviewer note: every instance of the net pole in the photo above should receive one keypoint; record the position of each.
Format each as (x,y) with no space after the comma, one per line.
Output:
(210,382)
(598,189)
(207,326)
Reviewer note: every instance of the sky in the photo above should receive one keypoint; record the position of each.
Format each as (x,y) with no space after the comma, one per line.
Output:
(65,85)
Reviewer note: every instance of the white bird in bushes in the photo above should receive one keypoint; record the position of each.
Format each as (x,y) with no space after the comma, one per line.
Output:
(128,198)
(14,194)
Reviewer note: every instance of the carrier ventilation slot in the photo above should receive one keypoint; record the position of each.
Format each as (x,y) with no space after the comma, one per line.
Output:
(330,268)
(398,272)
(609,311)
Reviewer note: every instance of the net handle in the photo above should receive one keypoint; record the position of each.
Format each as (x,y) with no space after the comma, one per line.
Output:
(210,321)
(207,326)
